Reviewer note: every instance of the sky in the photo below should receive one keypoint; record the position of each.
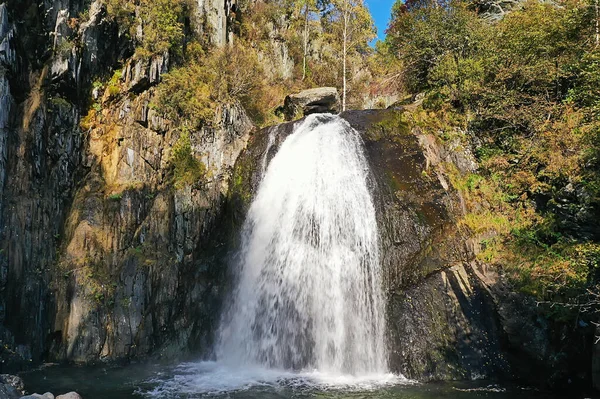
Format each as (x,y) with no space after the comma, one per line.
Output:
(381,11)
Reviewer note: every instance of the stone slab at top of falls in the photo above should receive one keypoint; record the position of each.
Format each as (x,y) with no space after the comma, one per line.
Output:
(311,101)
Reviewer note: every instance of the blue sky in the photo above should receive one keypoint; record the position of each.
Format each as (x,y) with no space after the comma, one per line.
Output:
(381,11)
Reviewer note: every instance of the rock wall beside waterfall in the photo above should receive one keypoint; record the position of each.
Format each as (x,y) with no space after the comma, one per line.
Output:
(102,255)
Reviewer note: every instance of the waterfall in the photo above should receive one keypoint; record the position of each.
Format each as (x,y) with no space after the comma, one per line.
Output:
(308,292)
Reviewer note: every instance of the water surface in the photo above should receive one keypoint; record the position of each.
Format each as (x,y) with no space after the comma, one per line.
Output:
(213,380)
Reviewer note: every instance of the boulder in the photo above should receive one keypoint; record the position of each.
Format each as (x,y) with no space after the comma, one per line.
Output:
(312,101)
(14,382)
(47,395)
(11,387)
(70,395)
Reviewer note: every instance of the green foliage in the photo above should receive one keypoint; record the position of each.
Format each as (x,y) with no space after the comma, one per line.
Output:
(116,197)
(123,12)
(185,93)
(161,22)
(113,87)
(437,45)
(64,48)
(60,102)
(223,76)
(529,89)
(187,169)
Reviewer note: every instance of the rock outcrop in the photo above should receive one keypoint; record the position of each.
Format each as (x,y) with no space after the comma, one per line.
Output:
(102,254)
(311,101)
(11,387)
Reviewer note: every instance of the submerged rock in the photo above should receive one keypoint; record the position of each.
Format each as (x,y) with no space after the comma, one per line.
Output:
(312,101)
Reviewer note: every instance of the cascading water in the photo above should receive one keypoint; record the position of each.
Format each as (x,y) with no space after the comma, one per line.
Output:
(309,290)
(307,311)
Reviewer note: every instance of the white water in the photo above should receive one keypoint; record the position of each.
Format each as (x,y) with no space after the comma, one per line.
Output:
(214,379)
(308,295)
(308,309)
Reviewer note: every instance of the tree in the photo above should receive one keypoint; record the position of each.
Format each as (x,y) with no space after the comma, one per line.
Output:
(160,21)
(597,12)
(303,14)
(439,45)
(353,24)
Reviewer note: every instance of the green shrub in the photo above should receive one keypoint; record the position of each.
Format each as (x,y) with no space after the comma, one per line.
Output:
(161,22)
(116,197)
(187,169)
(230,75)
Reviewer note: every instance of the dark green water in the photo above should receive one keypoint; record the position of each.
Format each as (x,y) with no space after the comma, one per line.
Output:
(208,380)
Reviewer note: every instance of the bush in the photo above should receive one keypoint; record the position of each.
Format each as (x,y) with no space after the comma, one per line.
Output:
(161,22)
(185,93)
(224,76)
(187,170)
(527,86)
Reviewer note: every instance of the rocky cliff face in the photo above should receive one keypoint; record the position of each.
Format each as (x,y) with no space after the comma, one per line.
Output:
(102,254)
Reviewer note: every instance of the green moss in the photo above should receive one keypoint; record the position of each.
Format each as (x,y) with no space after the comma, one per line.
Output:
(65,48)
(393,126)
(242,175)
(162,21)
(114,84)
(115,197)
(60,102)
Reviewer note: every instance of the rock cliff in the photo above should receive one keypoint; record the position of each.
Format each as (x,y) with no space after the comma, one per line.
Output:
(102,254)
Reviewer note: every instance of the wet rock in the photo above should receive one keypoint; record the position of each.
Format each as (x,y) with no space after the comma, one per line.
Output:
(442,318)
(445,327)
(99,40)
(63,47)
(70,395)
(14,382)
(148,236)
(7,54)
(6,392)
(46,395)
(11,387)
(312,101)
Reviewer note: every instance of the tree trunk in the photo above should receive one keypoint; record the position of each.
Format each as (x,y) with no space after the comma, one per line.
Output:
(597,23)
(305,41)
(344,53)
